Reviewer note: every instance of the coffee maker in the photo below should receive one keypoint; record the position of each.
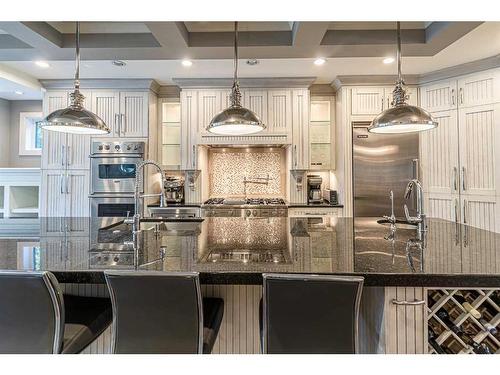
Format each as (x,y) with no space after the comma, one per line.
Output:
(174,189)
(314,189)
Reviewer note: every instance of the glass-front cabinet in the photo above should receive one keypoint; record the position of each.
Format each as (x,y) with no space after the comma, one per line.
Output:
(170,148)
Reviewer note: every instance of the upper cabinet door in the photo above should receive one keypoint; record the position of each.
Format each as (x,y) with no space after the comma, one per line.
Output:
(256,101)
(77,151)
(134,111)
(106,105)
(367,100)
(209,104)
(300,129)
(279,115)
(439,97)
(439,155)
(77,194)
(479,129)
(54,143)
(189,129)
(479,89)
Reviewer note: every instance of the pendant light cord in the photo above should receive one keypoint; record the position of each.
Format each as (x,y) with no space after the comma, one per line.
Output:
(76,97)
(399,96)
(235,92)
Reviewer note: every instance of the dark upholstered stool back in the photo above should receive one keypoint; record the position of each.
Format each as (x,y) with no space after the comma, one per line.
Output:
(156,312)
(310,313)
(31,313)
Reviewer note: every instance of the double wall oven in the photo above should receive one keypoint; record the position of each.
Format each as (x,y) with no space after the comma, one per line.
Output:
(112,170)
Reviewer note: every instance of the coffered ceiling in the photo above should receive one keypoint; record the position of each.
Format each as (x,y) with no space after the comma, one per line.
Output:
(210,40)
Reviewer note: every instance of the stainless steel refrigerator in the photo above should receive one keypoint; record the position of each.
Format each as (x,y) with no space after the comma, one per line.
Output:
(381,163)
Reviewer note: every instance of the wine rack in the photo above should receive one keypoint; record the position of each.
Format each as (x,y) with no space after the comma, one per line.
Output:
(463,321)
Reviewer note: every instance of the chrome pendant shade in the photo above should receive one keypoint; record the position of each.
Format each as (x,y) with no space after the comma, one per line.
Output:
(235,120)
(75,118)
(401,117)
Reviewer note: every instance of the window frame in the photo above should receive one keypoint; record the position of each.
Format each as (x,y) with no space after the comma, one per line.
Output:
(23,129)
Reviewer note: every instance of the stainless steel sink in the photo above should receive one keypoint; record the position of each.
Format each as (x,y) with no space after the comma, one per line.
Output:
(400,224)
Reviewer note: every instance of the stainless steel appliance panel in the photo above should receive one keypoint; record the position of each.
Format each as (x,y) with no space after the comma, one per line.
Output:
(114,174)
(382,162)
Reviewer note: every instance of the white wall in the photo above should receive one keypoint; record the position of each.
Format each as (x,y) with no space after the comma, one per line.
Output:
(4,133)
(16,107)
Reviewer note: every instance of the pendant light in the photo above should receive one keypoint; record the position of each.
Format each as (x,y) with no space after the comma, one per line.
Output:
(235,120)
(401,117)
(75,118)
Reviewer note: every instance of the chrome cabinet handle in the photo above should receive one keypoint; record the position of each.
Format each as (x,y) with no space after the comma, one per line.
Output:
(194,156)
(61,181)
(67,185)
(466,230)
(124,123)
(453,96)
(455,177)
(116,127)
(464,187)
(456,210)
(415,302)
(68,155)
(62,155)
(461,94)
(382,106)
(466,203)
(457,227)
(295,155)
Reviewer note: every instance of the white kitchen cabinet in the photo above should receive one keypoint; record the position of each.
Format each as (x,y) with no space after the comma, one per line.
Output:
(64,193)
(134,114)
(65,151)
(478,89)
(106,105)
(367,100)
(209,104)
(189,129)
(443,206)
(439,96)
(479,149)
(280,110)
(256,101)
(321,134)
(300,132)
(170,136)
(481,212)
(439,155)
(390,323)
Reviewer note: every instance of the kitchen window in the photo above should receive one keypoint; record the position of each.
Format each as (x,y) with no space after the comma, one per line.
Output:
(30,134)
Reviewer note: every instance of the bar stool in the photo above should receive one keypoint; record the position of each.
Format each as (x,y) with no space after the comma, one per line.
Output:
(36,318)
(162,313)
(310,314)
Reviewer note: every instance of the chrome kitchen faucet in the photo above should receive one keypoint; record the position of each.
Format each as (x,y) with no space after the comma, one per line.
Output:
(420,218)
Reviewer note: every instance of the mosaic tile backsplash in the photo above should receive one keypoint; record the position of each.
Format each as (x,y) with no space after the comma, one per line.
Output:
(228,169)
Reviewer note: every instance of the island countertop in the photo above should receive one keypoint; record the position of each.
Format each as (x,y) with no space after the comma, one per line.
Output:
(239,250)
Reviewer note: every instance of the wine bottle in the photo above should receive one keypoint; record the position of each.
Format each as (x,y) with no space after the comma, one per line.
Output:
(488,326)
(443,315)
(433,342)
(467,306)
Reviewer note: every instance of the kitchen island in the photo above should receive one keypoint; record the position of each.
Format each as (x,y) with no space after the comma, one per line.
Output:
(232,253)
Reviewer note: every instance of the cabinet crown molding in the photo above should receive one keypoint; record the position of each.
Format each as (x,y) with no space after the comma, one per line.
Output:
(226,83)
(127,84)
(371,80)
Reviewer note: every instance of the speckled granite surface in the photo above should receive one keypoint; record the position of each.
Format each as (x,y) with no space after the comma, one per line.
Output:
(239,250)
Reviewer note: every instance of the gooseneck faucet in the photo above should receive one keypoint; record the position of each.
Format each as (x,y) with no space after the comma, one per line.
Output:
(420,218)
(139,173)
(391,219)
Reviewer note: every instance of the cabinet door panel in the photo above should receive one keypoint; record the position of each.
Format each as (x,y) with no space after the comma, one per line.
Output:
(300,121)
(280,111)
(77,192)
(134,110)
(480,149)
(480,212)
(106,105)
(320,111)
(54,143)
(367,100)
(319,132)
(52,196)
(209,104)
(439,97)
(256,101)
(439,155)
(320,155)
(77,151)
(189,128)
(479,89)
(443,206)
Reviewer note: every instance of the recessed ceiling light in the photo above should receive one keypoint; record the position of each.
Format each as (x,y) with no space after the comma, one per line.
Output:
(187,62)
(388,60)
(252,62)
(118,63)
(17,92)
(319,61)
(42,64)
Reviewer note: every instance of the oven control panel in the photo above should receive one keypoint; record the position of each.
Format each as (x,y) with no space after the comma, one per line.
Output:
(104,147)
(116,260)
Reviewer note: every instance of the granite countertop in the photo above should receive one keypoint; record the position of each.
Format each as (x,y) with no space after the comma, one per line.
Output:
(239,250)
(309,205)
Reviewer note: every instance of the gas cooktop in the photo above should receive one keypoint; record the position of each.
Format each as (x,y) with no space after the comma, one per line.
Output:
(247,201)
